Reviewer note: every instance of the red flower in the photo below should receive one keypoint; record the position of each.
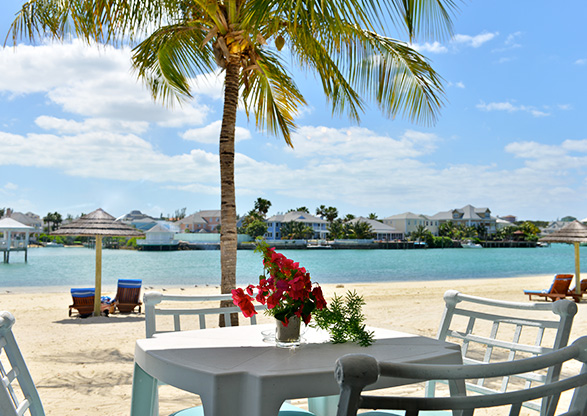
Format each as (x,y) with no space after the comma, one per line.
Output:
(243,301)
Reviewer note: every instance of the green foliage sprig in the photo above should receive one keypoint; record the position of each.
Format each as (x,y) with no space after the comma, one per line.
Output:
(344,319)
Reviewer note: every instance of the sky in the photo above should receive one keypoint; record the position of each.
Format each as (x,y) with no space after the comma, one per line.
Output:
(79,131)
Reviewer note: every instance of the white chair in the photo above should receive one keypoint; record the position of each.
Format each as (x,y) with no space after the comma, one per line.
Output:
(13,367)
(152,301)
(356,371)
(491,330)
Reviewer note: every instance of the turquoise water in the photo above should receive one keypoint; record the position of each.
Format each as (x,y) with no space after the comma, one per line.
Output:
(74,267)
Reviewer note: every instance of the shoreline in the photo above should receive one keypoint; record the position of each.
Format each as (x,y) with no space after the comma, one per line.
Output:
(85,366)
(112,288)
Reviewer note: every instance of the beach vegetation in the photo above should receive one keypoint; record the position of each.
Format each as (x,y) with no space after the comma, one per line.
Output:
(327,213)
(343,318)
(295,230)
(256,228)
(361,230)
(52,219)
(300,209)
(344,45)
(262,206)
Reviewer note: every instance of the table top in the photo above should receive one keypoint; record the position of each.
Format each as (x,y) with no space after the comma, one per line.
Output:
(190,359)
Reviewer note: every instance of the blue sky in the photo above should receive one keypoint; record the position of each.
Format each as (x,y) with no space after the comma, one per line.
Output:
(78,131)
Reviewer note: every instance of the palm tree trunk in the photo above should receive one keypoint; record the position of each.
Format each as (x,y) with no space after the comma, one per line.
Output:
(228,236)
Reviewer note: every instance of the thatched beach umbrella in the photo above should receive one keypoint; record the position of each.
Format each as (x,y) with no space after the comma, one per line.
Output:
(97,224)
(572,233)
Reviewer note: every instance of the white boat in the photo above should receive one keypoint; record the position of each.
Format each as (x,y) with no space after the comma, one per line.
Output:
(470,244)
(53,244)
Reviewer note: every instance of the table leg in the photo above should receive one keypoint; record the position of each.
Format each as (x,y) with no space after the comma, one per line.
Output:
(323,406)
(144,400)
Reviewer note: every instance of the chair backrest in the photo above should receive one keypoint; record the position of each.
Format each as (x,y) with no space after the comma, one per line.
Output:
(356,371)
(152,299)
(492,330)
(561,284)
(129,290)
(83,296)
(13,367)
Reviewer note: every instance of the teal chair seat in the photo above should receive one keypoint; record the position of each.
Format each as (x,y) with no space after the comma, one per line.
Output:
(286,409)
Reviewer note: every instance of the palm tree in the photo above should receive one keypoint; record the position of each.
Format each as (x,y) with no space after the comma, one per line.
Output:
(342,42)
(328,213)
(262,206)
(295,230)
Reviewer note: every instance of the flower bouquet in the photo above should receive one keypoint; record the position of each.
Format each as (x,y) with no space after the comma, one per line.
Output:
(284,287)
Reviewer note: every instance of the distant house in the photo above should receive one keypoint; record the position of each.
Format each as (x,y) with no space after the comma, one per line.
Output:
(509,218)
(275,222)
(381,231)
(408,222)
(202,221)
(552,227)
(468,216)
(28,219)
(134,216)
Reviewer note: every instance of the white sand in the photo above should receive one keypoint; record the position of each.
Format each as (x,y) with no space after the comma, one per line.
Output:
(84,366)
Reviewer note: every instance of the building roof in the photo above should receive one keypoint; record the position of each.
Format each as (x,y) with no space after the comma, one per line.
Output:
(195,218)
(407,216)
(468,212)
(210,213)
(298,217)
(9,224)
(377,226)
(159,228)
(27,219)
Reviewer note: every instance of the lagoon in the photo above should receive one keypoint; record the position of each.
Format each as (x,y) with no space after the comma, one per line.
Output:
(74,267)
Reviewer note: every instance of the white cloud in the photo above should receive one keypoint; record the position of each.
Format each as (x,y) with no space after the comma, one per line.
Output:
(435,47)
(359,143)
(511,108)
(95,82)
(108,156)
(474,41)
(93,124)
(581,61)
(210,134)
(457,84)
(10,186)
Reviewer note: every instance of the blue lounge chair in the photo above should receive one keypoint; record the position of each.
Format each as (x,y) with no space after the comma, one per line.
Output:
(127,296)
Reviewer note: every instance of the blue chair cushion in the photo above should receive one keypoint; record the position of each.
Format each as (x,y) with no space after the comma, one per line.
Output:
(286,409)
(83,293)
(129,283)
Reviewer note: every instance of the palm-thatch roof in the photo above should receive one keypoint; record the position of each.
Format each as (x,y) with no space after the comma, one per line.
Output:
(96,223)
(574,232)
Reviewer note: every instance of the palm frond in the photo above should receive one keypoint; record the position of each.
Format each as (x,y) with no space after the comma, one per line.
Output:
(170,57)
(273,96)
(396,76)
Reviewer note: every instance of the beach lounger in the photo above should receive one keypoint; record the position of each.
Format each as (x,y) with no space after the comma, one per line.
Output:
(18,394)
(127,296)
(558,290)
(83,301)
(582,288)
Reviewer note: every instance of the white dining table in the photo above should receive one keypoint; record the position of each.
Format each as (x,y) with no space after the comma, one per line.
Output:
(240,371)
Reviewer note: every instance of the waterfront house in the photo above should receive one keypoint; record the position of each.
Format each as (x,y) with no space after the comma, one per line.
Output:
(381,231)
(552,227)
(468,216)
(408,222)
(29,219)
(275,222)
(207,221)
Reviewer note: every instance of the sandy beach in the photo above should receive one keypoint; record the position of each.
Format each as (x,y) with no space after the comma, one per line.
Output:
(84,366)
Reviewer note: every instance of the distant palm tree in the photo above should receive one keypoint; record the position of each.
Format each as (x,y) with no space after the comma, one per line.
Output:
(342,43)
(296,230)
(262,206)
(362,230)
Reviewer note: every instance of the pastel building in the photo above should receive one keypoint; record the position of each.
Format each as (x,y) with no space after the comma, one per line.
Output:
(381,231)
(275,223)
(207,221)
(408,222)
(469,216)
